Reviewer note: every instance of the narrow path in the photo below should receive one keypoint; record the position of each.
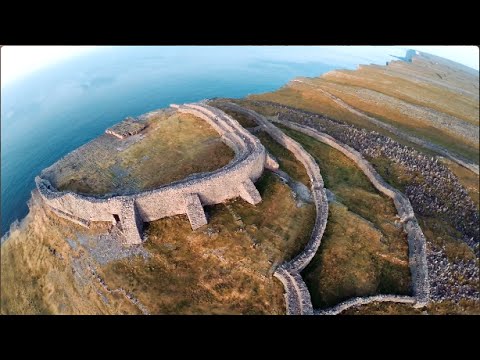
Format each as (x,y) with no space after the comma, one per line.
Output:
(426,144)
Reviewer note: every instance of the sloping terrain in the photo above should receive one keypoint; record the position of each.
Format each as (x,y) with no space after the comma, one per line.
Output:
(52,266)
(430,99)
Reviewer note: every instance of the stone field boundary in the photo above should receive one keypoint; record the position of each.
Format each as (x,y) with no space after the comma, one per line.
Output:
(297,297)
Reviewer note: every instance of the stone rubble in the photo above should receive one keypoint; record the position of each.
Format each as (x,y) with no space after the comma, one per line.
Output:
(435,191)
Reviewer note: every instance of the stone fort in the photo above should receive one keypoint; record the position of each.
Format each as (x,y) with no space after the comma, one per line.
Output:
(187,196)
(236,179)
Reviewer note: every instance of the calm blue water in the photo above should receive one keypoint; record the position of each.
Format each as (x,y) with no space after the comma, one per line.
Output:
(55,110)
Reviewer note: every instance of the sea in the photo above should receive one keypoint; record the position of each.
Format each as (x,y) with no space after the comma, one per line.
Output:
(51,112)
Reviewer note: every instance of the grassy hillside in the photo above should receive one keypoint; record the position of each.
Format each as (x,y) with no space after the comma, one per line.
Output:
(437,110)
(50,265)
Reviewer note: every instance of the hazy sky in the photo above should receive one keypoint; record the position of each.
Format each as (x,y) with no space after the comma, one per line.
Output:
(466,55)
(19,61)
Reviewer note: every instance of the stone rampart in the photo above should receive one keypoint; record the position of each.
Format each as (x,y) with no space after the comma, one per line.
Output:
(288,273)
(297,295)
(416,239)
(129,212)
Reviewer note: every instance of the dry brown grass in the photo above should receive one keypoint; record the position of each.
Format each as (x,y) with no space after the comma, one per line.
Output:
(467,178)
(423,94)
(464,307)
(225,267)
(36,272)
(414,123)
(349,262)
(444,235)
(395,174)
(306,96)
(174,147)
(302,97)
(384,308)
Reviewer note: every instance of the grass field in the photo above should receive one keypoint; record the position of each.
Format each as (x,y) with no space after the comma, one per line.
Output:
(286,159)
(174,146)
(365,89)
(390,112)
(419,93)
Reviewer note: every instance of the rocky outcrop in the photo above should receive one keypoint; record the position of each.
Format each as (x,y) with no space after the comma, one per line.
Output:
(452,280)
(129,212)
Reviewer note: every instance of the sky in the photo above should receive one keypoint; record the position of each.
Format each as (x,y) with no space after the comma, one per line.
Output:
(466,55)
(20,61)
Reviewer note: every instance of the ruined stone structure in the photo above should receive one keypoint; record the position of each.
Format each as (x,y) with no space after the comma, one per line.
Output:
(127,127)
(296,293)
(189,195)
(186,196)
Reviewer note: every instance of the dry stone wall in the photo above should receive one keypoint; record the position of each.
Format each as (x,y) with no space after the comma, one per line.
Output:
(416,239)
(470,132)
(432,195)
(434,191)
(337,309)
(129,212)
(297,296)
